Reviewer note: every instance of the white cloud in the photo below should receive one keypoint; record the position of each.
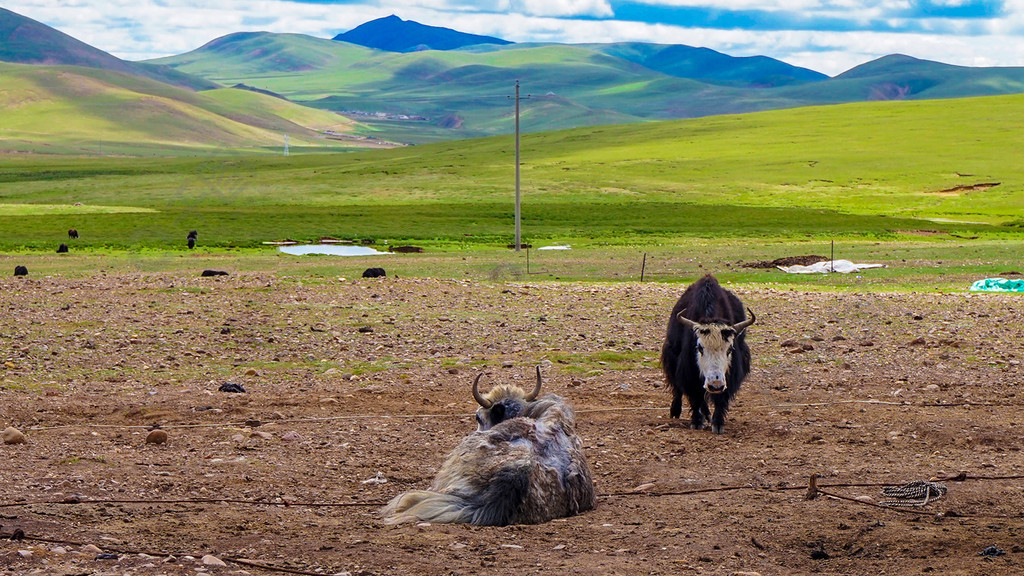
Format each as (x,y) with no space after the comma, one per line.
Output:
(141,29)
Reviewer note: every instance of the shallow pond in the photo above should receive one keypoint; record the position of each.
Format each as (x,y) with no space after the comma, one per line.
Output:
(330,250)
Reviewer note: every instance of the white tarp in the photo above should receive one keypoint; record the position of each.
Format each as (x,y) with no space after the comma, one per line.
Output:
(844,266)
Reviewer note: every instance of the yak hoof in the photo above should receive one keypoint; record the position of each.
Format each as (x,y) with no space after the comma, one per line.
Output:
(718,428)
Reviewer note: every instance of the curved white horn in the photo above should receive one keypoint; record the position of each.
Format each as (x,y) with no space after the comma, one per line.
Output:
(536,390)
(476,393)
(684,320)
(743,325)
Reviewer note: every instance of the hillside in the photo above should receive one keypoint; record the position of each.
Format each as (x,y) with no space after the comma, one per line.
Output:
(74,110)
(432,95)
(709,65)
(393,34)
(26,41)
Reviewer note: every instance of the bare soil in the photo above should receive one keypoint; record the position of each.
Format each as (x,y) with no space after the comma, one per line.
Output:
(356,389)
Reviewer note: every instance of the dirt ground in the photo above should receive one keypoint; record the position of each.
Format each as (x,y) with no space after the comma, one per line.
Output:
(356,389)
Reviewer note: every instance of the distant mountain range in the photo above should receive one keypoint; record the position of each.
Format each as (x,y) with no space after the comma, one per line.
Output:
(396,35)
(408,82)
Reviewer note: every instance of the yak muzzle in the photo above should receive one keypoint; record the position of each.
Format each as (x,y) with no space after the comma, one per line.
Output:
(715,386)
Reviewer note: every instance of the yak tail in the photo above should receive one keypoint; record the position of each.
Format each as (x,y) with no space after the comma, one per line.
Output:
(498,504)
(426,506)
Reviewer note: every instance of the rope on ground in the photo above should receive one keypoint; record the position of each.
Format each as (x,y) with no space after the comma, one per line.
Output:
(248,423)
(18,535)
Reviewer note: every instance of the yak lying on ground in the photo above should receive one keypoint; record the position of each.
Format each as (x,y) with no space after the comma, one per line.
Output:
(705,355)
(523,465)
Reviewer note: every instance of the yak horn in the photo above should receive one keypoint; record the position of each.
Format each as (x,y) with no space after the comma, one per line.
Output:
(533,395)
(743,325)
(684,320)
(476,393)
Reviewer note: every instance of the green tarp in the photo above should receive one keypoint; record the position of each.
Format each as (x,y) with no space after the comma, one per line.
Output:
(998,285)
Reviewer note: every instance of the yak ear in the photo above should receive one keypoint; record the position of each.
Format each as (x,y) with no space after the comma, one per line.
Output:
(497,413)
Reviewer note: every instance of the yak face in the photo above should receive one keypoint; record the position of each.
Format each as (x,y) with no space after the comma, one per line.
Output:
(715,345)
(501,403)
(714,354)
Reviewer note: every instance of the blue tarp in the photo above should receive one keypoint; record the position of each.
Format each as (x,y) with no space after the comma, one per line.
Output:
(998,285)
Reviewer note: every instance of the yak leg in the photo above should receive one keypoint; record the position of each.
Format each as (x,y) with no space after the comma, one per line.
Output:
(677,404)
(721,402)
(698,409)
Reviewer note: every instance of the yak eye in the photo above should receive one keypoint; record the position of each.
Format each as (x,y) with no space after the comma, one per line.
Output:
(479,420)
(700,348)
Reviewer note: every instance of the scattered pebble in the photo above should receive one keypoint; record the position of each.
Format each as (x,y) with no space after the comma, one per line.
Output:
(291,436)
(261,434)
(12,436)
(156,437)
(91,549)
(643,487)
(25,553)
(210,560)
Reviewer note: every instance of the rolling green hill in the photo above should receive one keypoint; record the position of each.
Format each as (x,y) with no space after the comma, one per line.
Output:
(26,41)
(77,110)
(438,95)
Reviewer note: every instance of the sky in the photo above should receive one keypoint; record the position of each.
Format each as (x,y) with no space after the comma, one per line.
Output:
(829,36)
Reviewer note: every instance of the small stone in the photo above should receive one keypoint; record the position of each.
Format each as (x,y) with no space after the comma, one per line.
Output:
(210,560)
(261,434)
(366,329)
(238,438)
(328,400)
(643,487)
(919,341)
(251,372)
(559,547)
(91,549)
(156,437)
(746,574)
(12,436)
(508,364)
(932,388)
(25,553)
(866,499)
(291,436)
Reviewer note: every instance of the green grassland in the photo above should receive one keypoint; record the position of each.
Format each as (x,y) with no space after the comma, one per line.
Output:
(932,188)
(73,110)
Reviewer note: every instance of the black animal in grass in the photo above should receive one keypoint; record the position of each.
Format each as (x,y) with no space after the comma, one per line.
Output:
(523,465)
(191,239)
(72,233)
(705,355)
(20,271)
(62,249)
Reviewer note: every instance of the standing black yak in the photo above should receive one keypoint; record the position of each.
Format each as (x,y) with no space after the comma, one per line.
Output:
(705,355)
(523,465)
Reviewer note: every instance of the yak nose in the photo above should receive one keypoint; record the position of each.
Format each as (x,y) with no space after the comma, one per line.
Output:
(715,386)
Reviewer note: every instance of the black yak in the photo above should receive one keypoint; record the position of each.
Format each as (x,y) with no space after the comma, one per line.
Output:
(374,273)
(72,233)
(523,465)
(63,248)
(705,354)
(20,271)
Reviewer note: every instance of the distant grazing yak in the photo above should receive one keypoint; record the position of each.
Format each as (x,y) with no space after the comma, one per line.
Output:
(374,273)
(705,354)
(72,233)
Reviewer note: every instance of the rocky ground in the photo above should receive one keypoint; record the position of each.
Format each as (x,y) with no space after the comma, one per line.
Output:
(356,389)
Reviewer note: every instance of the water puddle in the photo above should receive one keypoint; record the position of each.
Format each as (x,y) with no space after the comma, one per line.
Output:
(330,250)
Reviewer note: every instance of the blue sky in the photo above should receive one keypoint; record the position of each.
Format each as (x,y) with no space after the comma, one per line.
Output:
(829,36)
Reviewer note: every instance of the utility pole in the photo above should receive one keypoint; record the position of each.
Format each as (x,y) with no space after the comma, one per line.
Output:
(517,167)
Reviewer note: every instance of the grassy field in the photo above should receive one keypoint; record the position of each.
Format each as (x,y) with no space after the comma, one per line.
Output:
(931,188)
